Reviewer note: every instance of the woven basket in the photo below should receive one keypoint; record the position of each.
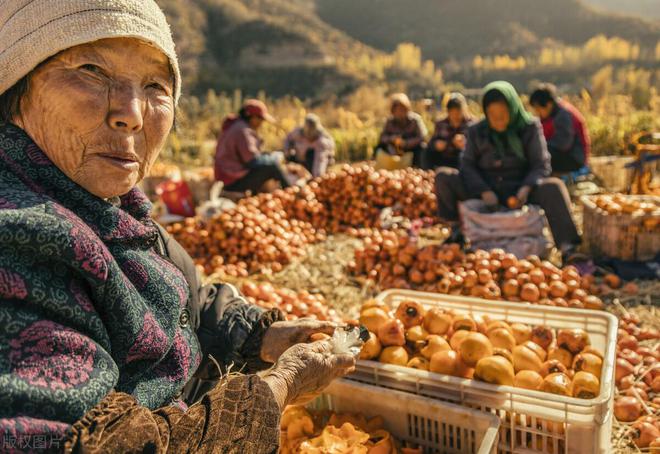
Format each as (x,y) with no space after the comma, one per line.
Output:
(612,171)
(624,236)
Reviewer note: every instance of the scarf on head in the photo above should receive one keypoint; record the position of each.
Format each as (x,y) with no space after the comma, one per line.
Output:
(509,141)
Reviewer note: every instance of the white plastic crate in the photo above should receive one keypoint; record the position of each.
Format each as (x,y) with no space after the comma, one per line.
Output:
(532,421)
(437,427)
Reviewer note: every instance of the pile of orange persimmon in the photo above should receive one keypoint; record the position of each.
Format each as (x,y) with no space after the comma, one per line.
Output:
(515,354)
(354,195)
(294,304)
(637,376)
(269,230)
(397,261)
(308,432)
(615,204)
(241,241)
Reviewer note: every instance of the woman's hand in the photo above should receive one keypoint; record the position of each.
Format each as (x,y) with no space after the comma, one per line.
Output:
(304,371)
(282,335)
(489,198)
(523,195)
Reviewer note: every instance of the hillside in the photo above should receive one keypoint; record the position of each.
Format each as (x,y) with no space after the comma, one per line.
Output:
(453,29)
(227,44)
(319,48)
(279,46)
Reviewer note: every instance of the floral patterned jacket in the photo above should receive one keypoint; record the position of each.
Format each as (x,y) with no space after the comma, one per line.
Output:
(97,326)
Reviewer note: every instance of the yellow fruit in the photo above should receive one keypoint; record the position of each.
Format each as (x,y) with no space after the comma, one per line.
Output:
(394,355)
(474,347)
(494,369)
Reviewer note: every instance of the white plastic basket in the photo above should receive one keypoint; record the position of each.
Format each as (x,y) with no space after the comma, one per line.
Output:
(437,427)
(532,421)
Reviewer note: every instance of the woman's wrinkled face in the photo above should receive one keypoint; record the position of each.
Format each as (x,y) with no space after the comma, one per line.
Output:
(498,115)
(101,112)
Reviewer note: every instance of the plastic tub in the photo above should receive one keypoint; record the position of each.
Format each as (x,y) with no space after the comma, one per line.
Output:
(437,427)
(532,421)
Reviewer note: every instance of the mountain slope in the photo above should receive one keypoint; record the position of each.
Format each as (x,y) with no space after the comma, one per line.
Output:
(457,28)
(280,46)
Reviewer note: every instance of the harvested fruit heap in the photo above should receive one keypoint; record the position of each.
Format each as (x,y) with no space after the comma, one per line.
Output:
(446,342)
(307,432)
(268,230)
(397,261)
(616,204)
(354,195)
(637,377)
(293,304)
(240,241)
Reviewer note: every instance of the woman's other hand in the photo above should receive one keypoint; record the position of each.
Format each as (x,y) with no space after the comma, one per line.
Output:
(459,141)
(283,335)
(440,145)
(489,198)
(303,372)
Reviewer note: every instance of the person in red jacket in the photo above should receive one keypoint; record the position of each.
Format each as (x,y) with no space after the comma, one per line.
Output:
(239,161)
(564,127)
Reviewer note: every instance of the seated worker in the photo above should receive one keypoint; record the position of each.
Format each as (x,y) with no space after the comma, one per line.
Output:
(448,141)
(239,162)
(564,127)
(311,146)
(506,156)
(404,131)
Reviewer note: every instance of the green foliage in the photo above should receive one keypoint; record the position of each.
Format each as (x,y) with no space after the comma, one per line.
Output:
(625,101)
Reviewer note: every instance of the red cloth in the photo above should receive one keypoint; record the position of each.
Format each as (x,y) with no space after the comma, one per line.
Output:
(177,197)
(580,125)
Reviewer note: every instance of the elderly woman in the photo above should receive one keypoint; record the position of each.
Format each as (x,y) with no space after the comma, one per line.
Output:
(404,131)
(102,320)
(506,157)
(310,146)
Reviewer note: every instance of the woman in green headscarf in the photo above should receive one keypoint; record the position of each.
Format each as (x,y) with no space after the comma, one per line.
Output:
(506,156)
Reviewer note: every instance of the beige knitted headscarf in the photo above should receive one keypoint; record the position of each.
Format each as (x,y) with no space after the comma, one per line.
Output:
(33,30)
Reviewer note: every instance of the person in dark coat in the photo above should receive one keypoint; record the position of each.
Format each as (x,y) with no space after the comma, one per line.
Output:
(448,141)
(103,321)
(506,156)
(564,128)
(404,131)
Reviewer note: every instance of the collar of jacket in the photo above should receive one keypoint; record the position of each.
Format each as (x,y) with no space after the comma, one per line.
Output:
(23,162)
